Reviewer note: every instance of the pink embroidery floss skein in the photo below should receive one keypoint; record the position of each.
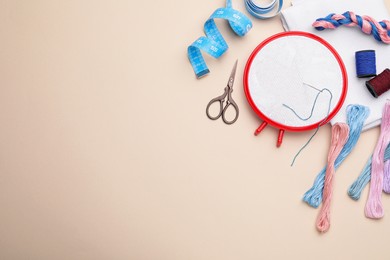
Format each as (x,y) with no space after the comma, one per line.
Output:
(374,208)
(340,134)
(386,177)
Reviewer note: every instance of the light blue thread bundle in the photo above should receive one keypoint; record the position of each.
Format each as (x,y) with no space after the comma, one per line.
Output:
(355,191)
(356,115)
(365,63)
(214,44)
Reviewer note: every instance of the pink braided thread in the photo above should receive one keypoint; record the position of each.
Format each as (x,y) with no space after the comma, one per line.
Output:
(340,134)
(365,22)
(374,208)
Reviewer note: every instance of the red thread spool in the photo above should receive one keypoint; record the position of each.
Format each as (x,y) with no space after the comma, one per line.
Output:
(379,84)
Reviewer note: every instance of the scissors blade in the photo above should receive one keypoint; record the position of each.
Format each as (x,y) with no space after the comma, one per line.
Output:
(232,75)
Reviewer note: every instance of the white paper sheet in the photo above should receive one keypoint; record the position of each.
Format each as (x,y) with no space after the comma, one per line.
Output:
(346,40)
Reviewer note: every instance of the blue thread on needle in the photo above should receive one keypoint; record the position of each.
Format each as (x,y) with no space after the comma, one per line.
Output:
(311,114)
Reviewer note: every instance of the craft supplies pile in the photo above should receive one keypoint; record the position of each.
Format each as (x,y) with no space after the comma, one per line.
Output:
(332,58)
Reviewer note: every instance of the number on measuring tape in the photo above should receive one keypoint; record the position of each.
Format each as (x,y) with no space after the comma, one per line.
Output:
(214,44)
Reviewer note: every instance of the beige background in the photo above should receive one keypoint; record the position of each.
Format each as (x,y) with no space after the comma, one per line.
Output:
(106,151)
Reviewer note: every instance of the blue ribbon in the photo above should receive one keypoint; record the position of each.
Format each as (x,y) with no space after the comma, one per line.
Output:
(214,44)
(261,12)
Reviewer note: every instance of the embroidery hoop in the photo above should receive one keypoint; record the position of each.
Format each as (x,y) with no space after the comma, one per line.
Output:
(282,71)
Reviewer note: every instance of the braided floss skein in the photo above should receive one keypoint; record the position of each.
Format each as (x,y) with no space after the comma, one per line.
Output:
(356,189)
(374,208)
(380,30)
(340,133)
(356,115)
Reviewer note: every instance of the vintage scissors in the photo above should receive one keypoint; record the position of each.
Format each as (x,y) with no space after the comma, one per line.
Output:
(226,96)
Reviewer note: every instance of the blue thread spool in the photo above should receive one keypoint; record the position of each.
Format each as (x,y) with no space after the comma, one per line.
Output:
(365,64)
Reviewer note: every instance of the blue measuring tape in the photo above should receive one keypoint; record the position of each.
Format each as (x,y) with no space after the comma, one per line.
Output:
(262,11)
(214,44)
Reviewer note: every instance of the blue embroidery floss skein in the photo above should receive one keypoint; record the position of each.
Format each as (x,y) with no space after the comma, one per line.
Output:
(356,116)
(365,64)
(379,84)
(355,191)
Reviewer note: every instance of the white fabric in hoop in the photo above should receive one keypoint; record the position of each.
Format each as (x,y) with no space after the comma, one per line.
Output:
(290,70)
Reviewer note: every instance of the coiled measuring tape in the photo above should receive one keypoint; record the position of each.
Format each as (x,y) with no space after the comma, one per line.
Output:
(262,12)
(214,44)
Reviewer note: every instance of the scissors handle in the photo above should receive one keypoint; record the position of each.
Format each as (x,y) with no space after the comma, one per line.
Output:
(222,110)
(217,99)
(230,103)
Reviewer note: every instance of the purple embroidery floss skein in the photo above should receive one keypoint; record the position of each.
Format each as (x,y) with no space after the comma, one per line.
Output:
(386,177)
(374,208)
(365,64)
(355,191)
